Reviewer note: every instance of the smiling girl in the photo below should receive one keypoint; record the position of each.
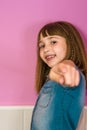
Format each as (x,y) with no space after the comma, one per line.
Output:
(60,77)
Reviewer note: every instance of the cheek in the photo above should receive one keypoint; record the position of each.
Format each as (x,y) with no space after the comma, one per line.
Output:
(65,50)
(41,54)
(61,51)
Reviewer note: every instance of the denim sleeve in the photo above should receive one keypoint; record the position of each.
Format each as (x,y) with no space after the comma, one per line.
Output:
(77,104)
(58,107)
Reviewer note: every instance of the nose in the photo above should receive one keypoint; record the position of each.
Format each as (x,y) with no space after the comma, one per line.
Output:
(47,49)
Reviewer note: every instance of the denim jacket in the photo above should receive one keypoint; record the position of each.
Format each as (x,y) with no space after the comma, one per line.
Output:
(58,107)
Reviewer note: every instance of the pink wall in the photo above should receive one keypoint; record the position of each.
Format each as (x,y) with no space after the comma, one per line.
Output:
(20,21)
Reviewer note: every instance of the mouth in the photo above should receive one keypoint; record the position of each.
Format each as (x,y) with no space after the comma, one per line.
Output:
(50,57)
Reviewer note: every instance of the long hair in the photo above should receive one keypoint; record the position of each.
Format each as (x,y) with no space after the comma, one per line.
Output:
(75,49)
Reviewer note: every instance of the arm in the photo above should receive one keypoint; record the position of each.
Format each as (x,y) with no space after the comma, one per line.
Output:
(77,105)
(73,99)
(58,107)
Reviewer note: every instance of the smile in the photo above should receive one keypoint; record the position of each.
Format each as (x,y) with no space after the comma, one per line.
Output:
(50,57)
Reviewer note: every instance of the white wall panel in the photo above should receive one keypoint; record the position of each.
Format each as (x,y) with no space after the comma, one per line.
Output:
(19,118)
(11,120)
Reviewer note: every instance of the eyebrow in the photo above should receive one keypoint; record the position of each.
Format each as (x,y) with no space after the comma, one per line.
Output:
(50,37)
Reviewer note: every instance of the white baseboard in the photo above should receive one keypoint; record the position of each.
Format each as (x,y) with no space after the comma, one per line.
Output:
(15,117)
(19,118)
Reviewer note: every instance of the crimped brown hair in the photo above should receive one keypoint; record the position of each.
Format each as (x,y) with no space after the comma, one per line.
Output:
(75,49)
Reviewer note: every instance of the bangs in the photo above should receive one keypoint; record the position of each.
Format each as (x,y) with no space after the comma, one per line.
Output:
(51,30)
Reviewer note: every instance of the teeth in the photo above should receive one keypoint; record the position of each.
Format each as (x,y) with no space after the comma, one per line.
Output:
(50,56)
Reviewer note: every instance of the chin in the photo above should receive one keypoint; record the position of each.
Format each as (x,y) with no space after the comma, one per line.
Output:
(52,65)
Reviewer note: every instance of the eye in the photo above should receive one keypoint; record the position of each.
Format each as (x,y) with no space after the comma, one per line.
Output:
(41,46)
(53,42)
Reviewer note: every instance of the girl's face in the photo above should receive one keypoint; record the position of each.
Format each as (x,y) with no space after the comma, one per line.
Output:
(52,49)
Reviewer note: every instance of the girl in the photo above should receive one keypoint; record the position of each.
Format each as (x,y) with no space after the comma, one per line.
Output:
(59,106)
